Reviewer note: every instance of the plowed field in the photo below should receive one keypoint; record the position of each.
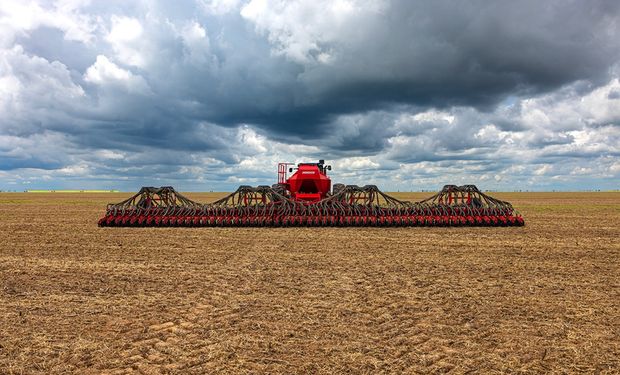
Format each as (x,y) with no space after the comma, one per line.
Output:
(78,298)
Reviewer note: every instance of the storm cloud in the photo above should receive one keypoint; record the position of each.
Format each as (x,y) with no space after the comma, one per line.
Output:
(210,94)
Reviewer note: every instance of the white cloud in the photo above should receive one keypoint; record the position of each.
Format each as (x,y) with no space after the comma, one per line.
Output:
(567,109)
(34,90)
(19,17)
(109,154)
(124,29)
(220,7)
(304,31)
(81,169)
(581,171)
(543,170)
(433,116)
(196,42)
(356,164)
(105,73)
(10,86)
(125,38)
(249,139)
(103,70)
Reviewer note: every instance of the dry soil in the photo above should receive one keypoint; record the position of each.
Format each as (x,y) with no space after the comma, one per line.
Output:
(77,298)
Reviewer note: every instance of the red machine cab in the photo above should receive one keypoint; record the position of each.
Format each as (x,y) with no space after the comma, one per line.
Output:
(309,183)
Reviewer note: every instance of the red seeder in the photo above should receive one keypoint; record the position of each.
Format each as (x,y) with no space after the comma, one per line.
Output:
(306,199)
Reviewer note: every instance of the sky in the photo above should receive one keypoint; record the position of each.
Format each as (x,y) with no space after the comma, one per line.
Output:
(408,95)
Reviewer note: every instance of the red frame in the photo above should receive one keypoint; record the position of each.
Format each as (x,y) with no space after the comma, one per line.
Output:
(282,172)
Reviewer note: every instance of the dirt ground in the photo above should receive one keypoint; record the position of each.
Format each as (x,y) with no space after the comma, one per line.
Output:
(544,298)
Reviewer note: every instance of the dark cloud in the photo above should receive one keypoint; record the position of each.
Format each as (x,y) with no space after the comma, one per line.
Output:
(445,54)
(427,54)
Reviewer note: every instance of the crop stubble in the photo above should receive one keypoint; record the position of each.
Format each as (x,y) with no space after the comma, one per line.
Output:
(542,298)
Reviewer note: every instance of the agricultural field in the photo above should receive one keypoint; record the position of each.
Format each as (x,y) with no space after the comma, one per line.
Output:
(543,298)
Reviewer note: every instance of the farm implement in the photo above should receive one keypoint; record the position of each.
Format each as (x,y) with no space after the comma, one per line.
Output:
(306,198)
